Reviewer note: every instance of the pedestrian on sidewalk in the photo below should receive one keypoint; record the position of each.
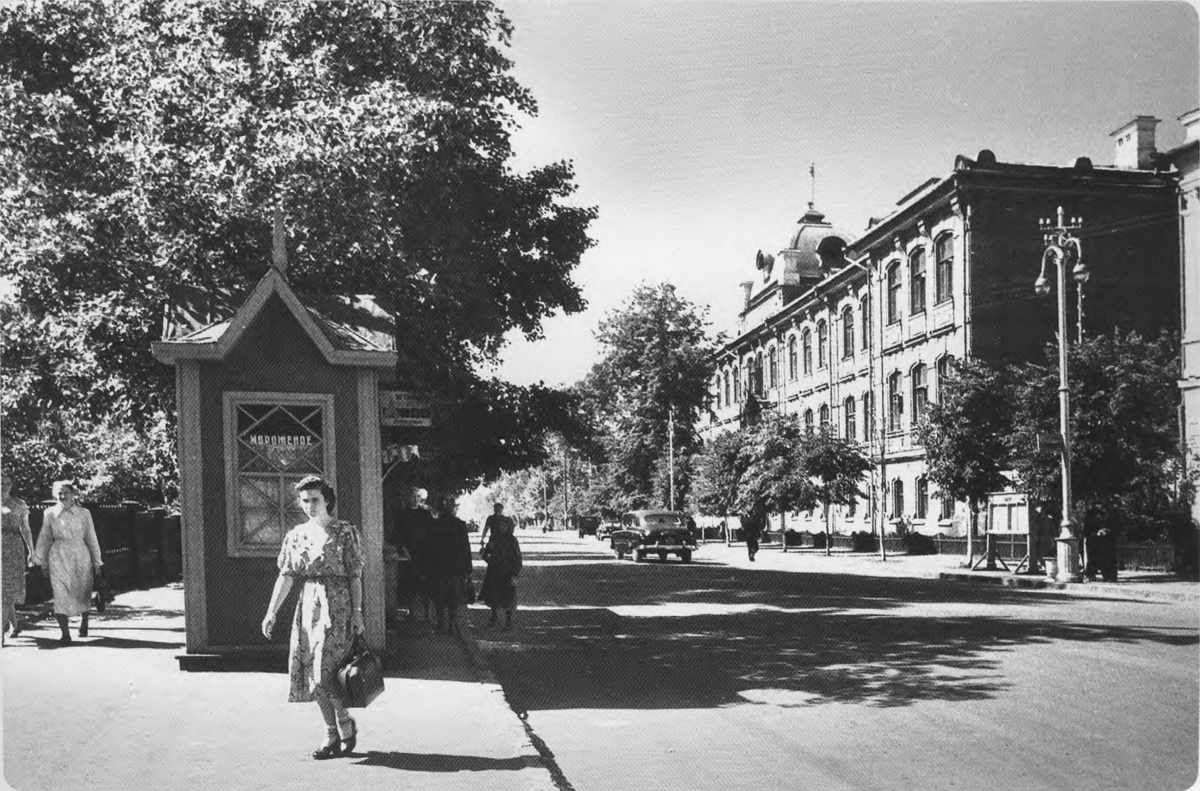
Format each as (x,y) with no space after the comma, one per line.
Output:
(67,548)
(503,557)
(451,565)
(325,555)
(17,548)
(414,533)
(752,530)
(489,525)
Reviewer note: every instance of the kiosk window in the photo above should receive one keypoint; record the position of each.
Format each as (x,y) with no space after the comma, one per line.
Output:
(271,442)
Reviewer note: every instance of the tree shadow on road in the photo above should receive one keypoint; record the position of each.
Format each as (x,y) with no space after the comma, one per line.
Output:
(677,636)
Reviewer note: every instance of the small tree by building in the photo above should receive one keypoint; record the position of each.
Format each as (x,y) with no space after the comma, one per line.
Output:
(836,467)
(965,437)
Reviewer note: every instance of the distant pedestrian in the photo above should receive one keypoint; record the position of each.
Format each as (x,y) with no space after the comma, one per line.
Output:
(414,533)
(752,531)
(451,565)
(67,548)
(17,546)
(489,525)
(325,555)
(503,557)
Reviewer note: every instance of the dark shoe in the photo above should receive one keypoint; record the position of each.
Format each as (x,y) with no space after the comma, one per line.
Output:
(349,744)
(331,749)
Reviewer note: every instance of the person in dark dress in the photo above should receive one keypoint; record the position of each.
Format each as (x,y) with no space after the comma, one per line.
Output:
(752,530)
(450,550)
(413,533)
(503,557)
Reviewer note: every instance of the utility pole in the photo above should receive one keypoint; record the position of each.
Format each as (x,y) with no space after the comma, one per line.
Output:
(671,454)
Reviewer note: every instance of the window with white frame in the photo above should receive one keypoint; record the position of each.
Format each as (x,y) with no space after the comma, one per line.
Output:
(806,344)
(895,402)
(808,421)
(916,282)
(944,272)
(737,384)
(864,312)
(773,363)
(868,410)
(822,341)
(922,496)
(824,418)
(945,370)
(272,440)
(727,389)
(847,332)
(758,375)
(791,357)
(897,499)
(851,419)
(920,392)
(893,293)
(946,507)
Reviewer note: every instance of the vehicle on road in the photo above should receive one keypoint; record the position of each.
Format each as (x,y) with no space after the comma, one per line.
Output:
(651,532)
(605,530)
(585,525)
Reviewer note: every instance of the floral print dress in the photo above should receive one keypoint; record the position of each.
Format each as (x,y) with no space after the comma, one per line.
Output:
(324,561)
(15,518)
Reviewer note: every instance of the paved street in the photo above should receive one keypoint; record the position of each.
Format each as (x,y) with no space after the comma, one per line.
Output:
(662,676)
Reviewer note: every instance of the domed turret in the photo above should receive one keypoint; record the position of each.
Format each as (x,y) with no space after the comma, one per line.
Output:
(815,249)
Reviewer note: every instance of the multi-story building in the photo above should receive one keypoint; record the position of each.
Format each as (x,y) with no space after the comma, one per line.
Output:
(858,334)
(1186,159)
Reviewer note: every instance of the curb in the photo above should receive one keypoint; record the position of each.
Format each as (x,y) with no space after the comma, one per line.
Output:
(1082,589)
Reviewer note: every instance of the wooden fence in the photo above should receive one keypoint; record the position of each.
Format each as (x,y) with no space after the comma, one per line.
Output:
(141,547)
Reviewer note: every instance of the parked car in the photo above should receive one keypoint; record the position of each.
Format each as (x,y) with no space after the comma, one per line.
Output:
(646,532)
(605,530)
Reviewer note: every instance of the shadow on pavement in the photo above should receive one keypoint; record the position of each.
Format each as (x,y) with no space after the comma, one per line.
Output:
(675,636)
(432,762)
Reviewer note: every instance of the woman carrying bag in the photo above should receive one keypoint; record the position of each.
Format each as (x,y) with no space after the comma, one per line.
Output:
(325,556)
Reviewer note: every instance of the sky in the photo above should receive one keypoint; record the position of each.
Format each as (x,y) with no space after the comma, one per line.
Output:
(692,125)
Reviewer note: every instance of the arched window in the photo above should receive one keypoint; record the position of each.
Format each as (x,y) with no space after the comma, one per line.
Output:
(922,494)
(806,343)
(895,402)
(944,275)
(945,369)
(727,401)
(848,408)
(947,506)
(897,498)
(737,384)
(847,332)
(824,418)
(758,374)
(773,367)
(852,508)
(920,392)
(792,357)
(715,400)
(822,340)
(808,421)
(916,282)
(864,313)
(893,293)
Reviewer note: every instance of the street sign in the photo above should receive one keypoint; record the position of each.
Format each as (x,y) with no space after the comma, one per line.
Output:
(1049,441)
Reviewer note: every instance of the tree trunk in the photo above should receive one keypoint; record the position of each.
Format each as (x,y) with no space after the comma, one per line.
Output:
(972,525)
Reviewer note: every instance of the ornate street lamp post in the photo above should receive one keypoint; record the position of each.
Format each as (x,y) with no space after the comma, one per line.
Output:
(1063,250)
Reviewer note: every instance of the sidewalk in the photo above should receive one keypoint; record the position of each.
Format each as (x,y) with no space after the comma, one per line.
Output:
(113,711)
(1155,585)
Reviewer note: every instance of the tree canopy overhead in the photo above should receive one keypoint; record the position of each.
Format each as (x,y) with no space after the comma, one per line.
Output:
(145,144)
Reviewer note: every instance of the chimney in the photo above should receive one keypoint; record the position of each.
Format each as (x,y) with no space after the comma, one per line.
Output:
(747,286)
(1135,143)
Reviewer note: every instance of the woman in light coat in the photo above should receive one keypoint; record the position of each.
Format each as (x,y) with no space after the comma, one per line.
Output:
(68,549)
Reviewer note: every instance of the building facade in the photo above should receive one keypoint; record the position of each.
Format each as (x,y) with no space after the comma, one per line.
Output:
(1186,160)
(857,335)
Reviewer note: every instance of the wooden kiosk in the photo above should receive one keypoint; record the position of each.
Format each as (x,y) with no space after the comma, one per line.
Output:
(280,390)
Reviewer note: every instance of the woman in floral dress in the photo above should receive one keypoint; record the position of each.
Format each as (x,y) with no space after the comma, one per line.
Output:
(17,547)
(67,546)
(325,555)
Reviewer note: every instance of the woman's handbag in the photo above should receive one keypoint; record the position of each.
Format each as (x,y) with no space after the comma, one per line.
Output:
(100,584)
(361,676)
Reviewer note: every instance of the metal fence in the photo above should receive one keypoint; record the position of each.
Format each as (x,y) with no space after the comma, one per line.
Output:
(141,547)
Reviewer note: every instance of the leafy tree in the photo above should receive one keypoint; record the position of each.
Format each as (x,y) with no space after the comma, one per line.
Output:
(144,145)
(655,366)
(965,435)
(836,466)
(776,478)
(1126,461)
(717,473)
